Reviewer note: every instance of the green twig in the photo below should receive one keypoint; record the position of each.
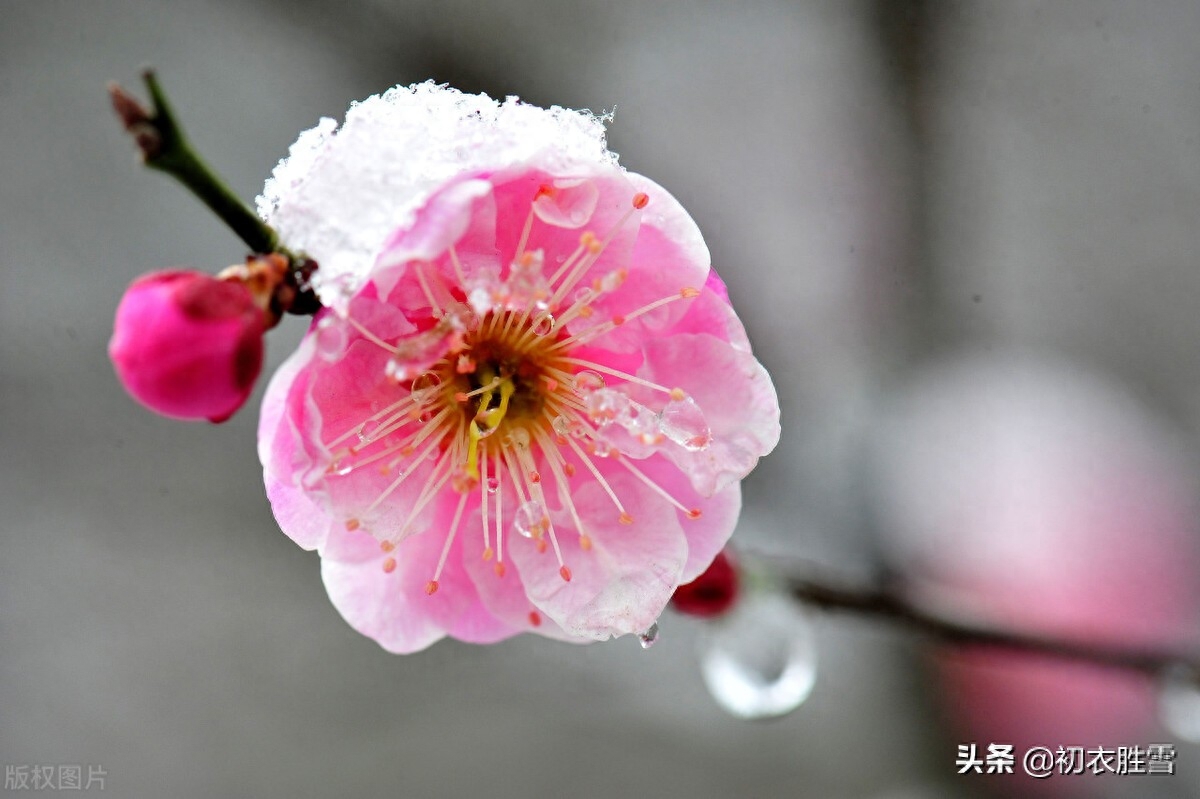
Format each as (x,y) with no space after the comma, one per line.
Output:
(163,146)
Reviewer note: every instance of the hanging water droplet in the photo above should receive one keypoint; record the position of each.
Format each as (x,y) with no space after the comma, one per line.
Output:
(332,338)
(543,325)
(585,295)
(530,519)
(683,422)
(650,637)
(587,381)
(425,386)
(1179,703)
(493,484)
(367,430)
(759,660)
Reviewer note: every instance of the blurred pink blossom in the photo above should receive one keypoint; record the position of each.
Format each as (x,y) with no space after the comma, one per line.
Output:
(529,408)
(1033,496)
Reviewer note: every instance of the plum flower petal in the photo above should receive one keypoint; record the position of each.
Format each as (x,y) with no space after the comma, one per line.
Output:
(528,403)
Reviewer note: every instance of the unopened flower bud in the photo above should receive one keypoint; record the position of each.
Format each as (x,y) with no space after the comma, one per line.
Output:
(712,593)
(188,345)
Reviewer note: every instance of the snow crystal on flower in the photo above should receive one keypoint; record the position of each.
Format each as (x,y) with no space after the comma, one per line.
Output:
(341,191)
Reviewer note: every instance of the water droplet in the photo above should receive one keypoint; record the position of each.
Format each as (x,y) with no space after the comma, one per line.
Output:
(606,405)
(543,325)
(683,422)
(759,660)
(332,338)
(398,370)
(585,295)
(341,467)
(368,429)
(493,484)
(561,425)
(650,637)
(530,519)
(526,283)
(484,291)
(1179,703)
(641,422)
(425,386)
(587,381)
(612,281)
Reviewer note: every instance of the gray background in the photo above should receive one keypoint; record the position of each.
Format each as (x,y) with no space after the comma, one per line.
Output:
(879,183)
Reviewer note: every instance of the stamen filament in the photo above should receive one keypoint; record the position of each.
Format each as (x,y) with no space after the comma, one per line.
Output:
(656,487)
(371,337)
(462,502)
(553,458)
(433,303)
(591,467)
(458,269)
(403,476)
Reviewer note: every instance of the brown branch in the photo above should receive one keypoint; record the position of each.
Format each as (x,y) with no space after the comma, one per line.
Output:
(890,606)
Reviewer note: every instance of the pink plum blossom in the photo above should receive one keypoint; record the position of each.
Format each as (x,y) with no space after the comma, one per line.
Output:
(188,345)
(1032,496)
(528,403)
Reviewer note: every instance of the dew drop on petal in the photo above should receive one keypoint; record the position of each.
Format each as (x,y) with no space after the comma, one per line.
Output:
(759,660)
(1179,703)
(588,381)
(650,637)
(606,405)
(683,422)
(543,325)
(641,422)
(332,338)
(425,386)
(529,519)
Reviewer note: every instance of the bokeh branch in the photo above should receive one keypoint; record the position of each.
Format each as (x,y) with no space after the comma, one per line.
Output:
(891,606)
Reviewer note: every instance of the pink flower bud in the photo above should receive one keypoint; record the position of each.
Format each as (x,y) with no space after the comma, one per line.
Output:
(712,593)
(187,345)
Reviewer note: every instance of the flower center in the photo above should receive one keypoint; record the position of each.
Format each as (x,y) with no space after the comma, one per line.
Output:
(509,411)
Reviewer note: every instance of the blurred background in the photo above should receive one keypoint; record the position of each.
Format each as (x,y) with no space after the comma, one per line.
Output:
(962,236)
